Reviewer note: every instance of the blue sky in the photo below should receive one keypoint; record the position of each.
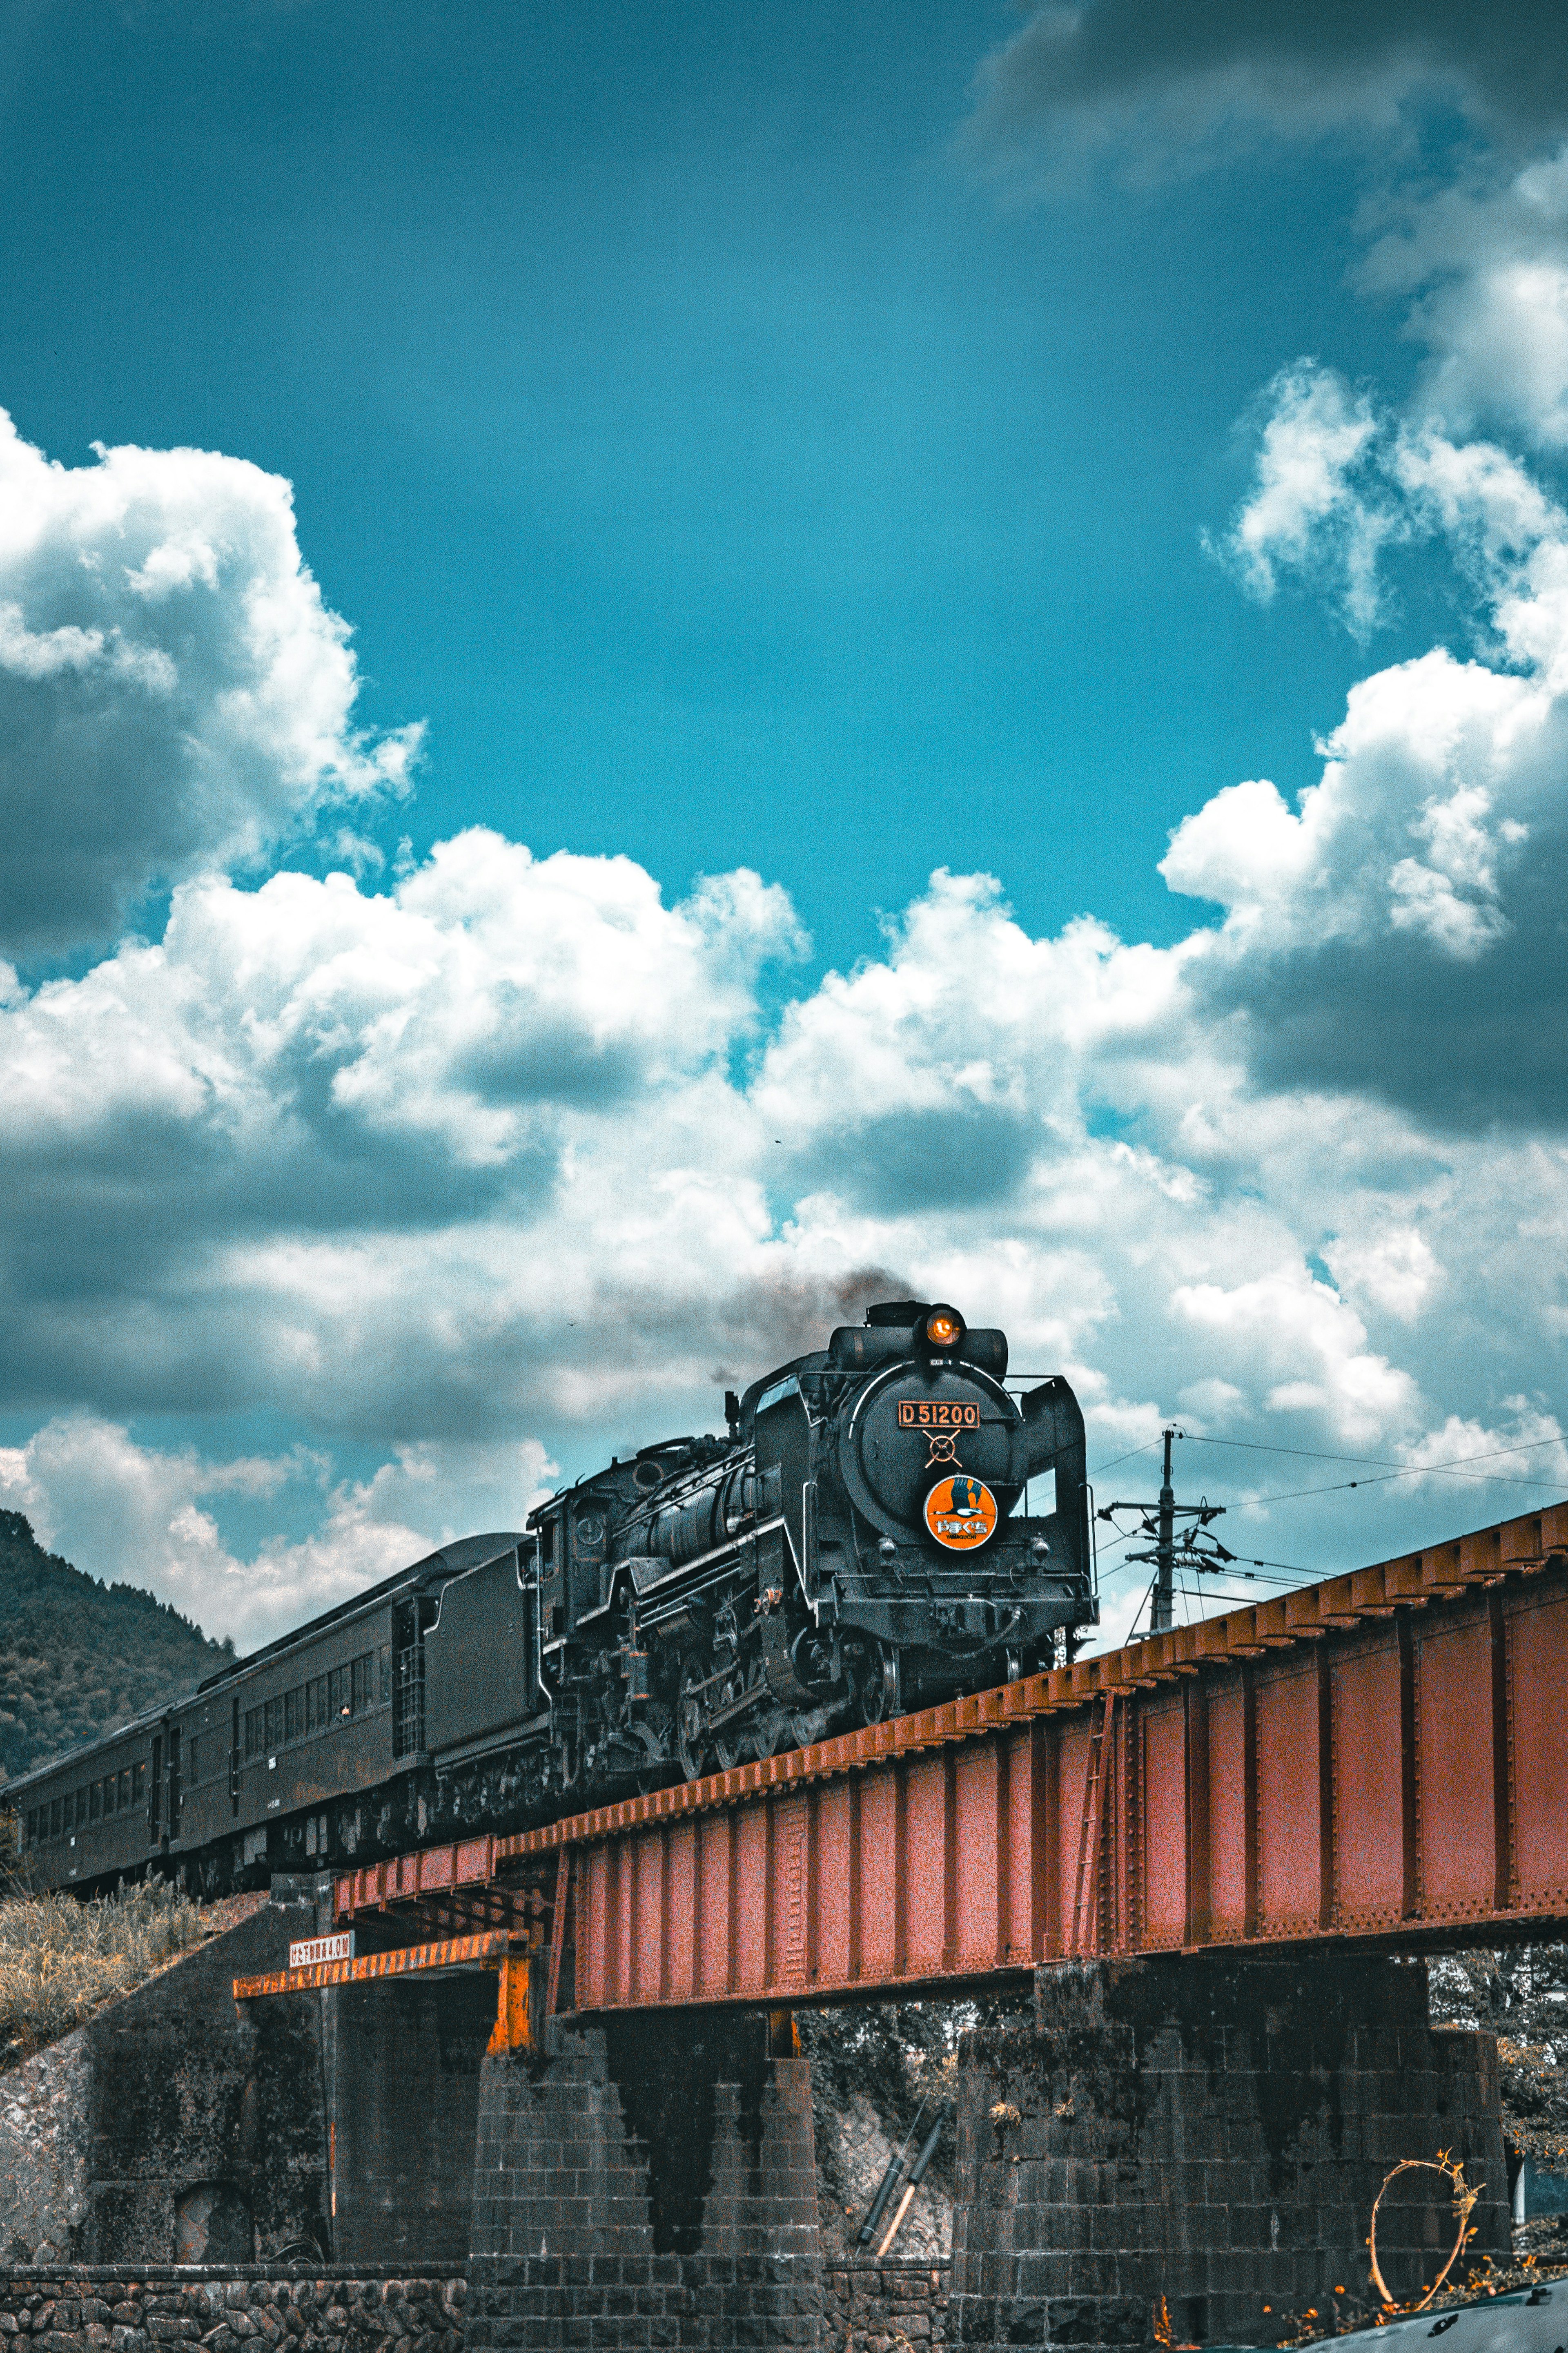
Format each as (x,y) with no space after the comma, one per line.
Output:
(697,437)
(813,447)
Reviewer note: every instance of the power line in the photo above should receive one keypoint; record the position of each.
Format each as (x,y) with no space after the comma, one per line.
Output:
(1243,1569)
(1147,1449)
(1377,1462)
(1313,1576)
(1384,1479)
(1382,1462)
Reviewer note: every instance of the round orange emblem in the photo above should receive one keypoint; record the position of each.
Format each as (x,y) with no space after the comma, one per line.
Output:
(961,1512)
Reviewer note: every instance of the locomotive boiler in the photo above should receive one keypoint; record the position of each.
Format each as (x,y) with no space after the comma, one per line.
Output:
(853,1548)
(883,1524)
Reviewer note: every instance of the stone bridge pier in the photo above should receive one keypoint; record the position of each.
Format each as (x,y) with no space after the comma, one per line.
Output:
(1211,2132)
(646,2181)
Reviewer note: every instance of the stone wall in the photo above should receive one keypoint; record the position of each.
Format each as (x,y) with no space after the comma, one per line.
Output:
(174,2127)
(871,2307)
(649,2183)
(402,2062)
(1211,2132)
(43,2135)
(136,2309)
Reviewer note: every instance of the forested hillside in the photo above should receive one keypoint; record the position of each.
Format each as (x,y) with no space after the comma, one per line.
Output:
(77,1657)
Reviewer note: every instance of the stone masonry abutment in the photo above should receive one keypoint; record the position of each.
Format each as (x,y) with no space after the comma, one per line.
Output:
(651,2182)
(1207,2133)
(1212,2132)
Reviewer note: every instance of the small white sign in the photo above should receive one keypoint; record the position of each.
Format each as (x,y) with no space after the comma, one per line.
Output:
(311,1949)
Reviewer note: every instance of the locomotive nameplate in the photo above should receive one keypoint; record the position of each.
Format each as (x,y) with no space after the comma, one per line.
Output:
(961,1512)
(309,1951)
(936,1413)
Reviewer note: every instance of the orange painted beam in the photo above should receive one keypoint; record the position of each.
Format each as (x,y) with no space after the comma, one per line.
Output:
(451,1952)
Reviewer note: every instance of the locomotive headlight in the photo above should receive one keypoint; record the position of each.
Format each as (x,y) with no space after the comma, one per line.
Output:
(945,1328)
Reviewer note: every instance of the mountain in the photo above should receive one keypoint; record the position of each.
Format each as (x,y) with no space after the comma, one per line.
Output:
(77,1658)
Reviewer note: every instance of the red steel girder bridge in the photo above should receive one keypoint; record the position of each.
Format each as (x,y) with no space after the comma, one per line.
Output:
(1378,1759)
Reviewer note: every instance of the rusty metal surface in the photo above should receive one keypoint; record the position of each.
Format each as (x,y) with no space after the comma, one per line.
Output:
(1379,1756)
(450,1953)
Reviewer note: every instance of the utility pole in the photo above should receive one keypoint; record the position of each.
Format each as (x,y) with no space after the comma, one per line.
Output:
(1166,1555)
(1196,1549)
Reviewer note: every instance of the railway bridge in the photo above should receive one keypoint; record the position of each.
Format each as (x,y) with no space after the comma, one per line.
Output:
(1213,1853)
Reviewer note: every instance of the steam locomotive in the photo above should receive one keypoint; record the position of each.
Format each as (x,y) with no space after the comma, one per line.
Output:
(852,1547)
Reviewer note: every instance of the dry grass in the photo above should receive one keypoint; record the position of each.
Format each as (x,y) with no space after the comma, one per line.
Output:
(61,1959)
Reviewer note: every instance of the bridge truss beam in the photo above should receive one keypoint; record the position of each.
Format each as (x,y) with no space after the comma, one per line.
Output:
(1378,1759)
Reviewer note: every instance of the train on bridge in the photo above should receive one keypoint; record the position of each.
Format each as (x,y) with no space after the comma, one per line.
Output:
(885,1523)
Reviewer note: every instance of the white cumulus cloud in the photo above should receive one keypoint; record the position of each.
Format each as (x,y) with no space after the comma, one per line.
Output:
(137,1514)
(174,693)
(504,1168)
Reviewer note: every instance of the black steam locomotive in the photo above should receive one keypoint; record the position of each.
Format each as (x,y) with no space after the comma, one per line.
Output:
(852,1548)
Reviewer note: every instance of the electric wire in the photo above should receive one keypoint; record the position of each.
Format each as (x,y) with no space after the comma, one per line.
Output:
(1243,1569)
(1384,1477)
(1373,1462)
(1115,1459)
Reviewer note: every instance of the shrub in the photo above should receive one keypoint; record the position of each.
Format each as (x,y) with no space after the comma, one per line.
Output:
(60,1961)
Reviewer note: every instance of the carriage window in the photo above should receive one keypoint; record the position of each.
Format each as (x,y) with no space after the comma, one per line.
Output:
(123,1777)
(193,1770)
(274,1725)
(54,1817)
(290,1718)
(337,1693)
(386,1676)
(79,1802)
(32,1826)
(95,1801)
(252,1732)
